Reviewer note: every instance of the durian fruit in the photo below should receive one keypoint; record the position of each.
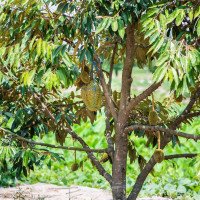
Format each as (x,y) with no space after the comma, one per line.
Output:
(158,155)
(140,54)
(104,158)
(92,96)
(153,118)
(85,77)
(74,167)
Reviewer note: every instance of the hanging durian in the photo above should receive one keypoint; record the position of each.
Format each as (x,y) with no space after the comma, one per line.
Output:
(153,116)
(158,154)
(74,167)
(92,96)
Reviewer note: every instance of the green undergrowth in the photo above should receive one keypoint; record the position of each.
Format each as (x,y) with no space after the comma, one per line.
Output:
(177,178)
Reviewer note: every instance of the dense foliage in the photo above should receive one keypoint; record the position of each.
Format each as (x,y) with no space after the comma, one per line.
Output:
(55,55)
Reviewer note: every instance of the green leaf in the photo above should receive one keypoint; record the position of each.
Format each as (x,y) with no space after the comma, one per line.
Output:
(160,73)
(175,75)
(89,56)
(10,122)
(172,16)
(61,74)
(27,77)
(149,33)
(114,25)
(31,43)
(191,15)
(51,80)
(121,28)
(197,12)
(153,38)
(152,11)
(26,158)
(146,22)
(163,57)
(39,47)
(158,46)
(162,20)
(102,25)
(180,17)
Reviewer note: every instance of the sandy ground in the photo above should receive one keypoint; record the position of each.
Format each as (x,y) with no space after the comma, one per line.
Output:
(43,191)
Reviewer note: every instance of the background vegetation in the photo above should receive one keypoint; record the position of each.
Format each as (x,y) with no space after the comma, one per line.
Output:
(178,178)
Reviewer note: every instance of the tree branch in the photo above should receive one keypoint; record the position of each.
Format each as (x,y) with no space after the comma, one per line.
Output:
(184,117)
(186,155)
(112,65)
(93,159)
(128,65)
(97,164)
(18,137)
(165,130)
(109,100)
(134,102)
(175,123)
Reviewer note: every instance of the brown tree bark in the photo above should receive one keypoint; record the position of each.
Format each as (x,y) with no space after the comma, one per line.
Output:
(119,163)
(121,138)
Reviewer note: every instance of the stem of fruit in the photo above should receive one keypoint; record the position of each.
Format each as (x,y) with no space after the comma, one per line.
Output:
(158,132)
(153,104)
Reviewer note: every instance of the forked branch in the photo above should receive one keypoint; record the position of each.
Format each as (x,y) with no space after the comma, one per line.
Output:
(109,100)
(135,101)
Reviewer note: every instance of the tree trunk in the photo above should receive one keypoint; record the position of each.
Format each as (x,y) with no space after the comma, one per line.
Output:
(119,164)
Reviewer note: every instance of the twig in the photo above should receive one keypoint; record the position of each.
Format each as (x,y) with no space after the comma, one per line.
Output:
(109,100)
(135,101)
(18,137)
(165,130)
(184,117)
(186,113)
(112,65)
(186,155)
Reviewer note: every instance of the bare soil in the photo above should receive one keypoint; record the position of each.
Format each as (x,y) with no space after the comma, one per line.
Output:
(41,191)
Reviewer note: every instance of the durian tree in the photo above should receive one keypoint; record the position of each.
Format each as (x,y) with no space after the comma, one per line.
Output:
(58,59)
